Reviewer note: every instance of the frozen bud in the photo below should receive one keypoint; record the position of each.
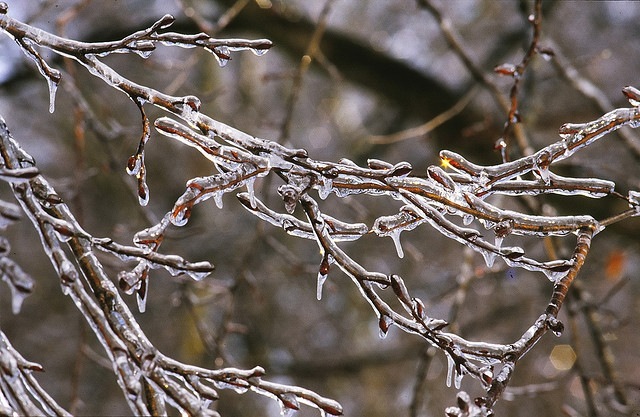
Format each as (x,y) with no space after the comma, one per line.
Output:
(463,401)
(505,69)
(555,325)
(384,325)
(441,177)
(503,228)
(401,169)
(632,94)
(378,164)
(290,195)
(546,53)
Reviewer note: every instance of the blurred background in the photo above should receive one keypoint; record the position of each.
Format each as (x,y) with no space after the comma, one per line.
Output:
(377,70)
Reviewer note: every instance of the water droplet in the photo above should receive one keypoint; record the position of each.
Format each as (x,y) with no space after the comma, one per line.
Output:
(181,216)
(467,219)
(222,55)
(259,51)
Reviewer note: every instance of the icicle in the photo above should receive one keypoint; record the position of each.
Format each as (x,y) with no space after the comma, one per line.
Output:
(489,257)
(323,272)
(395,236)
(53,88)
(197,275)
(250,190)
(451,364)
(498,241)
(325,187)
(392,226)
(17,298)
(321,280)
(141,294)
(259,51)
(143,191)
(239,386)
(384,324)
(143,53)
(555,270)
(20,284)
(634,201)
(217,198)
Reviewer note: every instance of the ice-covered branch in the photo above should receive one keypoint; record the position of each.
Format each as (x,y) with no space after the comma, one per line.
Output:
(150,380)
(455,199)
(20,393)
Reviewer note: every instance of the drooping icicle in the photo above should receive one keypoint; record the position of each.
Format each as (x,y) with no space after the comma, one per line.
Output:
(141,294)
(20,284)
(393,225)
(323,272)
(251,191)
(321,280)
(489,257)
(451,365)
(555,270)
(53,88)
(395,236)
(325,187)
